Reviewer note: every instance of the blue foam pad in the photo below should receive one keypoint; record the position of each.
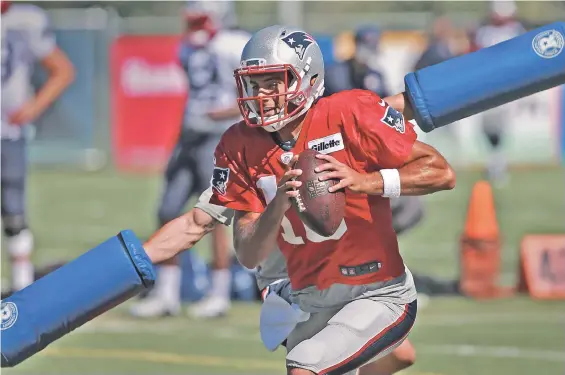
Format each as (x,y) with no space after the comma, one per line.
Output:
(460,87)
(65,299)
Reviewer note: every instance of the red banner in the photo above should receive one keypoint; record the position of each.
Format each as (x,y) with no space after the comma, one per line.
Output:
(149,92)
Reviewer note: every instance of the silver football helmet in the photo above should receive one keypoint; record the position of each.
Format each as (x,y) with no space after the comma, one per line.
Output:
(277,49)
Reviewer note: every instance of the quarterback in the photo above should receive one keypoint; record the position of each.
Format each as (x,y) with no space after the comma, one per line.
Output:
(359,295)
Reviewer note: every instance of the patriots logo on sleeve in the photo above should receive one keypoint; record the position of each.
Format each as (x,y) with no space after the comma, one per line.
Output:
(394,119)
(299,41)
(220,178)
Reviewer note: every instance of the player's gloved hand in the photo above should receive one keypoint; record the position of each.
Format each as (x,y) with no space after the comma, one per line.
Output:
(286,187)
(349,178)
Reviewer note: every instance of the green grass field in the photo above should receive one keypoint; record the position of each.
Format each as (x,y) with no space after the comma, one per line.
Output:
(73,211)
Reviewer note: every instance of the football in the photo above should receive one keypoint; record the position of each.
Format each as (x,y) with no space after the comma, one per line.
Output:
(321,210)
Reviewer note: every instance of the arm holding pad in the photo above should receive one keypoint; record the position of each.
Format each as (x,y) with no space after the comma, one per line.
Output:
(65,299)
(466,85)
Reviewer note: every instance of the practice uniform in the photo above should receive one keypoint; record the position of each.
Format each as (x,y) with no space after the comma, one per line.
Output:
(26,39)
(354,284)
(211,87)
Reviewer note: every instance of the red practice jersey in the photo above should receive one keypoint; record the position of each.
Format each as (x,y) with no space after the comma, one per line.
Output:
(357,128)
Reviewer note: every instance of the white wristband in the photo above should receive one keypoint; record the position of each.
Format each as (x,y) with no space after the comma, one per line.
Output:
(391,183)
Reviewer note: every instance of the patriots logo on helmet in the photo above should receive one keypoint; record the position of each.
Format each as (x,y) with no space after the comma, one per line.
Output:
(220,178)
(299,41)
(394,119)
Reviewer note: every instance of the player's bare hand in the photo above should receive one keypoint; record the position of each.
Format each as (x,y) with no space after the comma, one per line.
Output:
(348,178)
(286,187)
(25,114)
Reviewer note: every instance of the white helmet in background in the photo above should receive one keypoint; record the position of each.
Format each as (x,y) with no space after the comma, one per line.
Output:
(205,18)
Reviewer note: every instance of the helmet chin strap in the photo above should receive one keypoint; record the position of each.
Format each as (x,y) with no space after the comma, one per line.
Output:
(285,145)
(275,127)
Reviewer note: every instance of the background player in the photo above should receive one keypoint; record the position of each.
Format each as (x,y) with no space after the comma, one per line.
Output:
(26,39)
(442,45)
(501,26)
(362,70)
(353,283)
(209,52)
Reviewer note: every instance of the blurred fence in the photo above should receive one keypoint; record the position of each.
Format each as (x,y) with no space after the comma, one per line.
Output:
(84,128)
(75,130)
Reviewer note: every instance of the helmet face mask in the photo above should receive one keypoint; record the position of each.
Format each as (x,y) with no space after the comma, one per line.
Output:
(286,100)
(287,56)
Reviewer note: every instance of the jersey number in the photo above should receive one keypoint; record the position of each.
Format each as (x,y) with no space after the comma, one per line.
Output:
(268,184)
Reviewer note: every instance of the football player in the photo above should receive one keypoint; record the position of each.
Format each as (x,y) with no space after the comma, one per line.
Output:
(501,26)
(209,52)
(26,39)
(354,284)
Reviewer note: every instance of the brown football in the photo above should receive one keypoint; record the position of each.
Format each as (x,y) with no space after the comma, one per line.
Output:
(321,210)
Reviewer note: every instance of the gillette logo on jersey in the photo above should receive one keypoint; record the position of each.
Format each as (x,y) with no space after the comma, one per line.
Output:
(326,145)
(299,41)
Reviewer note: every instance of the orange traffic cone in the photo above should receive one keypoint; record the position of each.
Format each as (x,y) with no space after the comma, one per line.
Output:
(480,246)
